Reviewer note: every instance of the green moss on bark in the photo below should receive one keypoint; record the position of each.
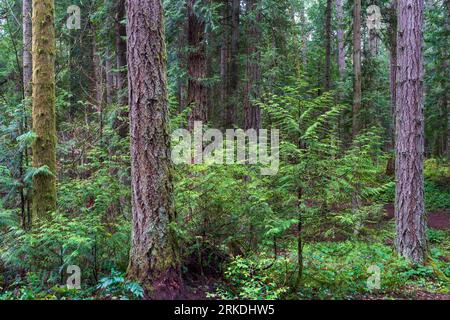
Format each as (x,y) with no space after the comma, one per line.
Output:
(44,122)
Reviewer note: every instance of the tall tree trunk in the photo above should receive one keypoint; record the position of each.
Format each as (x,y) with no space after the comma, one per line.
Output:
(356,67)
(445,84)
(153,258)
(44,122)
(27,90)
(390,169)
(197,90)
(252,113)
(328,12)
(99,83)
(121,53)
(109,79)
(340,37)
(409,202)
(121,124)
(27,42)
(182,58)
(304,33)
(234,66)
(373,43)
(224,53)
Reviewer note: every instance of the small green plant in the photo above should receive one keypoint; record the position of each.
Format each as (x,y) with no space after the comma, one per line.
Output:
(116,286)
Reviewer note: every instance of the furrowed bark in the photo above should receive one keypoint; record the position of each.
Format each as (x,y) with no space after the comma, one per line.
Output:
(409,203)
(153,257)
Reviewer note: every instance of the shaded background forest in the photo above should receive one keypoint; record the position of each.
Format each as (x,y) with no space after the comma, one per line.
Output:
(239,232)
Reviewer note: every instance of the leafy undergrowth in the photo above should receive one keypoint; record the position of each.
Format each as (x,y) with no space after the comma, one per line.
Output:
(332,270)
(341,270)
(113,287)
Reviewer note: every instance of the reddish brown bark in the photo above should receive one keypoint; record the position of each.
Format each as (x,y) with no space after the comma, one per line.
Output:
(409,202)
(153,257)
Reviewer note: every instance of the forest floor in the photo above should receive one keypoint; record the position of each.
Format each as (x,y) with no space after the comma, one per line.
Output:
(438,220)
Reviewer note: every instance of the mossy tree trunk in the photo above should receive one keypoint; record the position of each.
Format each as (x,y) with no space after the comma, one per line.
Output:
(153,258)
(44,123)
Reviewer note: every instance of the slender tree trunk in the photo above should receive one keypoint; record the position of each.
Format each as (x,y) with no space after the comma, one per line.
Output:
(121,124)
(153,258)
(109,80)
(409,202)
(445,137)
(121,53)
(340,37)
(27,42)
(182,58)
(99,83)
(252,113)
(390,170)
(356,67)
(27,66)
(328,13)
(224,53)
(304,33)
(197,90)
(373,43)
(44,122)
(234,66)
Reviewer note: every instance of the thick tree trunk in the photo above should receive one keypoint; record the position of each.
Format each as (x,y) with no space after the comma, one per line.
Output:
(27,42)
(409,202)
(252,113)
(153,257)
(356,67)
(328,12)
(340,37)
(197,90)
(44,122)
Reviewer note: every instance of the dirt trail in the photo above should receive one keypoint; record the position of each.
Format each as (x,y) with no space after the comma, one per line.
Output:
(439,220)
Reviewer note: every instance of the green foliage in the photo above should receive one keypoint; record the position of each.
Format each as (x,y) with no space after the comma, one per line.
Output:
(254,278)
(116,286)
